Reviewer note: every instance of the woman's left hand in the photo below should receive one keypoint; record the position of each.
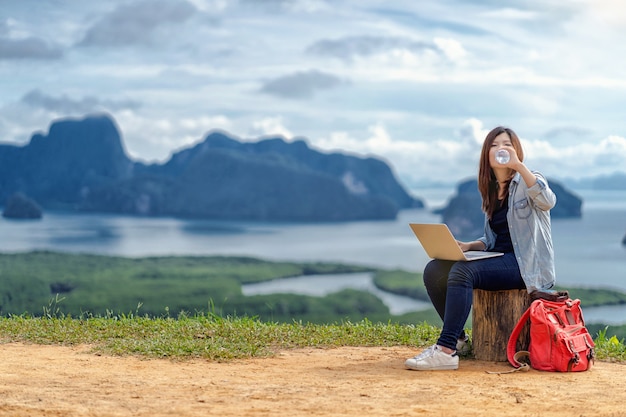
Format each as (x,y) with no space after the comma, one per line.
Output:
(463,245)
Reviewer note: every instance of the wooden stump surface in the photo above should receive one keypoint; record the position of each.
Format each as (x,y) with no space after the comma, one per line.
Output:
(494,315)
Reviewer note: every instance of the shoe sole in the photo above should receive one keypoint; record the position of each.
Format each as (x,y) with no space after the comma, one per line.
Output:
(439,368)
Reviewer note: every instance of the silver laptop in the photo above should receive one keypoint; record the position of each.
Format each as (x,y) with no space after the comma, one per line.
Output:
(438,242)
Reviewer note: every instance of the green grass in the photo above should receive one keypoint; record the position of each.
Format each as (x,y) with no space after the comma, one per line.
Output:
(208,336)
(222,339)
(610,348)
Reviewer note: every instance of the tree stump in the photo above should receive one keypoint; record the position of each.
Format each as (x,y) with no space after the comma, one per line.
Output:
(494,315)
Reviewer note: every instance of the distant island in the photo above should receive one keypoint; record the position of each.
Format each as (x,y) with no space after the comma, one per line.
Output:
(19,206)
(81,165)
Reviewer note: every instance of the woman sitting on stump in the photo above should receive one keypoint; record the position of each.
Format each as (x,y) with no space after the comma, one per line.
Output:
(517,204)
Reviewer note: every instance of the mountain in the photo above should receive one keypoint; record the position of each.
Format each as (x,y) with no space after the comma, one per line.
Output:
(58,169)
(81,165)
(464,216)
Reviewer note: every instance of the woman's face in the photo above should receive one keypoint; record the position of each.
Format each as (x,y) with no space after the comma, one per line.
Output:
(502,141)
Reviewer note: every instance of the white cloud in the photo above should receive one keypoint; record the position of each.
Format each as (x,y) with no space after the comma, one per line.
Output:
(69,106)
(309,6)
(211,6)
(301,85)
(136,22)
(148,139)
(441,160)
(416,83)
(508,13)
(577,160)
(607,11)
(473,132)
(270,126)
(452,48)
(449,160)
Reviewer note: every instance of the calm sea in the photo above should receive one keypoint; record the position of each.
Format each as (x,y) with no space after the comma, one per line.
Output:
(588,250)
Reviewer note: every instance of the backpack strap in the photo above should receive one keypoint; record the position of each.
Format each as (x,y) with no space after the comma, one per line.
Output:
(511,345)
(521,366)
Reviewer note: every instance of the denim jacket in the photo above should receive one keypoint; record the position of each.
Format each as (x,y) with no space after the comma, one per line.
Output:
(529,223)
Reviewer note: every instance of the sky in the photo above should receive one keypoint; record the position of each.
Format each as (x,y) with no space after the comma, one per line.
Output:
(415,83)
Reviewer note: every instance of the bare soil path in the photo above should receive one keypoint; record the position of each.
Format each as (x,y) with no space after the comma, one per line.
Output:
(51,381)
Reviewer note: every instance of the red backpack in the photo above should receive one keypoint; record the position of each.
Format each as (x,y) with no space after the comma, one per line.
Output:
(559,340)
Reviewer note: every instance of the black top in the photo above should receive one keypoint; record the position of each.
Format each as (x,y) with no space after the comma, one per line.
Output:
(500,226)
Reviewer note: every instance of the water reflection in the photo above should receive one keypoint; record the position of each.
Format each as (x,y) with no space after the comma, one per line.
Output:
(211,228)
(101,234)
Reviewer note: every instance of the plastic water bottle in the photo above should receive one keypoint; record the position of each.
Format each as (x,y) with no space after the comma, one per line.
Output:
(503,156)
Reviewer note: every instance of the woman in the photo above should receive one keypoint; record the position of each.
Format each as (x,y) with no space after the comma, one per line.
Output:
(517,204)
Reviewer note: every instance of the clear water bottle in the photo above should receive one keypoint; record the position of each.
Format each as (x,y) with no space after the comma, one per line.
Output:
(503,156)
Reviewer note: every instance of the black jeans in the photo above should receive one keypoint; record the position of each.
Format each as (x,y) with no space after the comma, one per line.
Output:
(450,287)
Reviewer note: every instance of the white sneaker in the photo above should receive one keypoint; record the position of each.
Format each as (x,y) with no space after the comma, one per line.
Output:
(433,359)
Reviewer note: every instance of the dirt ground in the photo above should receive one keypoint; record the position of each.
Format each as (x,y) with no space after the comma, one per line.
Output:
(73,381)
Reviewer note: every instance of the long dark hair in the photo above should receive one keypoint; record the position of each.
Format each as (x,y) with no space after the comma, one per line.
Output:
(487,182)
